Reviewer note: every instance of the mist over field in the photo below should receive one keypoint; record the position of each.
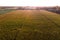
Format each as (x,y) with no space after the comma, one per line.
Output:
(29,23)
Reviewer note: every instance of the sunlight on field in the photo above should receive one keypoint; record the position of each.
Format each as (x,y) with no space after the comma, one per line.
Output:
(29,25)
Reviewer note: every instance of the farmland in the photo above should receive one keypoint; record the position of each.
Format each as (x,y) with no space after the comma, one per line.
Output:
(2,11)
(29,25)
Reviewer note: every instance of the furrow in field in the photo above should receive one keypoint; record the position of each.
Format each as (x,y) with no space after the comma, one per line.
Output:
(28,25)
(50,19)
(27,20)
(53,16)
(39,21)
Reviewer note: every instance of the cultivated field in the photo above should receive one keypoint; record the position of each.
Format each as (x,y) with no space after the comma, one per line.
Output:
(29,25)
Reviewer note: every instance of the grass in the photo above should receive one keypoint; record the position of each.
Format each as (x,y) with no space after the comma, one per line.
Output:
(29,25)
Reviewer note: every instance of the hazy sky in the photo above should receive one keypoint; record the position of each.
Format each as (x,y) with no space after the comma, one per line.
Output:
(29,2)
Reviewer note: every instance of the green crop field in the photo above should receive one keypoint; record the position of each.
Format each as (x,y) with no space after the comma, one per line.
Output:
(3,11)
(29,25)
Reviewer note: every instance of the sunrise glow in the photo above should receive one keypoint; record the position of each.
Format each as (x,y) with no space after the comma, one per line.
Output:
(30,2)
